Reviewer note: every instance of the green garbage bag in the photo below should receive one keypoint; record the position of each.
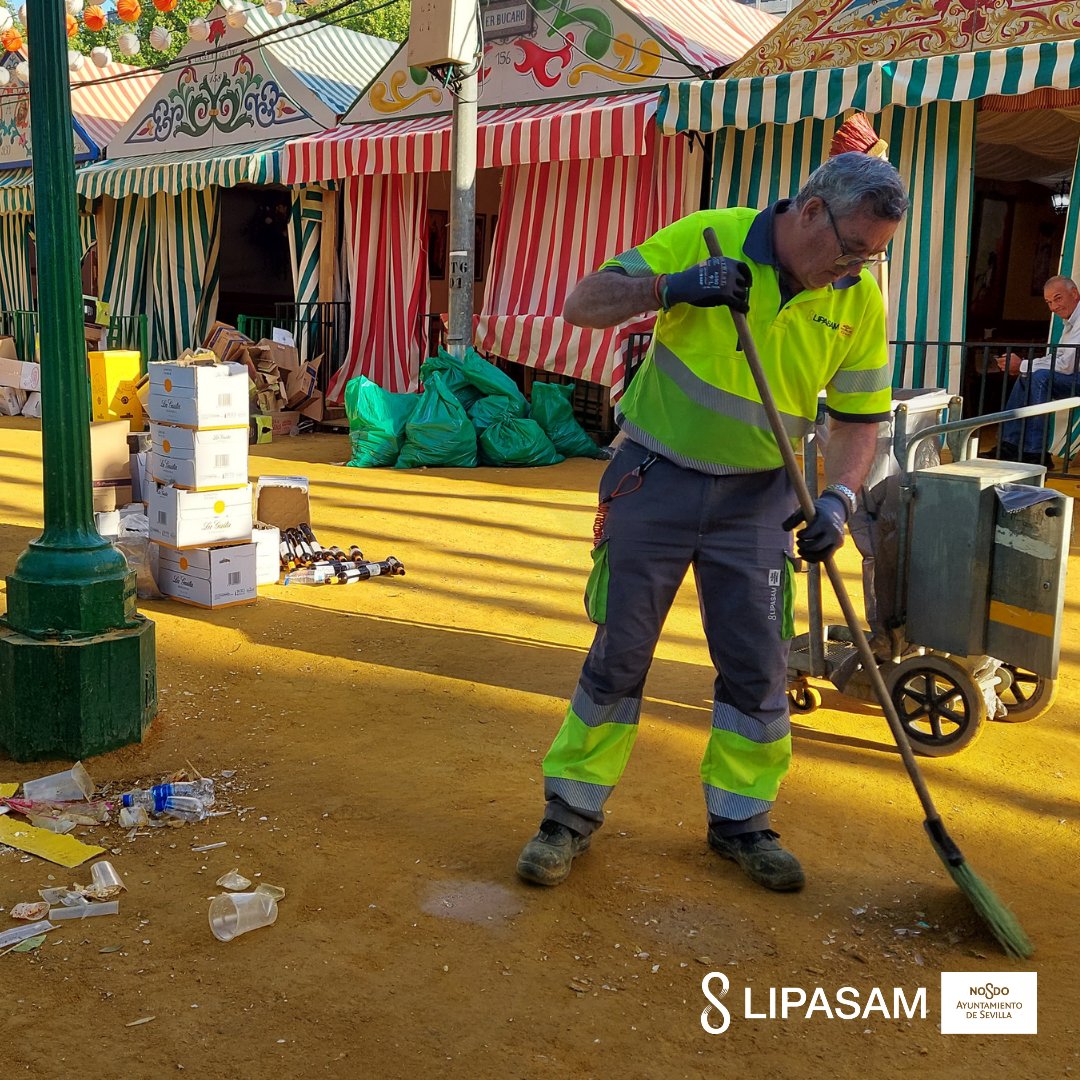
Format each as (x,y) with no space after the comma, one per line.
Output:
(472,377)
(439,432)
(513,440)
(552,410)
(377,421)
(487,410)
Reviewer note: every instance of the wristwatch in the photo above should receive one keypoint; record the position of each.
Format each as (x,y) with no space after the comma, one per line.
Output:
(847,493)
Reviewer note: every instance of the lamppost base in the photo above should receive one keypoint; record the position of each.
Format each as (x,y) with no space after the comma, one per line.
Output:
(76,698)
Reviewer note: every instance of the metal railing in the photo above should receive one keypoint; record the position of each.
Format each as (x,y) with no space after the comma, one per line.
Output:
(319,329)
(122,332)
(129,332)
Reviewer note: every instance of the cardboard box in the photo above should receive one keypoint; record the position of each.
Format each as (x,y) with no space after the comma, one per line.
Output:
(113,375)
(32,408)
(19,375)
(202,460)
(199,395)
(267,540)
(284,422)
(94,335)
(282,501)
(185,519)
(226,342)
(313,407)
(110,467)
(209,576)
(12,401)
(260,429)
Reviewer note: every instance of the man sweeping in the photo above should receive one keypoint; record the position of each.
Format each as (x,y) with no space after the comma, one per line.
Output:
(697,481)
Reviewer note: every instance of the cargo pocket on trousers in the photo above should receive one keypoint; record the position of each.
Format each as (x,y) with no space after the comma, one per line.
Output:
(787,618)
(596,588)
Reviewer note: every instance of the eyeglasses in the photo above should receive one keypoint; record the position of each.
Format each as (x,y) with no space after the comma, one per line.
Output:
(847,261)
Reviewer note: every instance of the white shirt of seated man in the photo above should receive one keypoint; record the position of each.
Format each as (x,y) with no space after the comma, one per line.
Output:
(1063,299)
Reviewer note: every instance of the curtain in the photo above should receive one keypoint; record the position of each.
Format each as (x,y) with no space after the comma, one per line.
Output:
(386,266)
(305,237)
(15,286)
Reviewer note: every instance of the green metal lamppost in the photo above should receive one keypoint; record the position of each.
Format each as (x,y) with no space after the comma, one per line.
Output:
(77,667)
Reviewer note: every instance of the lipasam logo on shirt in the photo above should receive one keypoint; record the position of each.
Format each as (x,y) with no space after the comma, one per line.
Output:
(843,329)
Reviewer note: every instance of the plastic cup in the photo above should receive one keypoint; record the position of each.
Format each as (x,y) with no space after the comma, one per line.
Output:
(84,911)
(236,913)
(104,876)
(72,785)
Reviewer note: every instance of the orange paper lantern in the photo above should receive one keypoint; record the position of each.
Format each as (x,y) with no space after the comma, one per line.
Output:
(94,19)
(165,5)
(128,10)
(72,26)
(11,39)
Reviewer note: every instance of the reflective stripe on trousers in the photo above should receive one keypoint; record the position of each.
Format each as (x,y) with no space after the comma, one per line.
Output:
(728,528)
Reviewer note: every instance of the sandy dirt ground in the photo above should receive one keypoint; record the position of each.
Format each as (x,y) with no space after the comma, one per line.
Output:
(386,741)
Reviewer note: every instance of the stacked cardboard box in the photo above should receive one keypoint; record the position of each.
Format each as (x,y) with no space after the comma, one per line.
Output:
(114,377)
(200,500)
(20,383)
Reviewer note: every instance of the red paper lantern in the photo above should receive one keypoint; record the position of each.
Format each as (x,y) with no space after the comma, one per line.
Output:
(11,39)
(129,11)
(166,5)
(72,26)
(94,19)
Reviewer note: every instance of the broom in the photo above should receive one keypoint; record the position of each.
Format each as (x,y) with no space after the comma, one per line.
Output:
(998,918)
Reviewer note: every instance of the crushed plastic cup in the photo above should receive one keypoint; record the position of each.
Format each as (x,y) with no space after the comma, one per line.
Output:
(275,892)
(131,816)
(233,914)
(84,911)
(72,785)
(234,881)
(21,933)
(103,875)
(30,912)
(60,825)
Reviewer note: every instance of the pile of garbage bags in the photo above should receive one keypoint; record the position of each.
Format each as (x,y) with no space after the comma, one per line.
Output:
(469,413)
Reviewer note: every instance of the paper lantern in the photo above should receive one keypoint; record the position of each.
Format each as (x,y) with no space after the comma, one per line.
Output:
(94,19)
(275,7)
(5,76)
(74,7)
(160,38)
(75,60)
(128,11)
(22,71)
(6,21)
(198,29)
(101,56)
(72,26)
(128,44)
(165,5)
(11,39)
(23,16)
(237,19)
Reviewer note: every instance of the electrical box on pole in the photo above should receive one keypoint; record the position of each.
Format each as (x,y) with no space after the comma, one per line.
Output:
(442,32)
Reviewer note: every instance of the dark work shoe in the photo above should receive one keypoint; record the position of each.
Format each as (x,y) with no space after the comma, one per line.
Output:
(1008,451)
(1037,457)
(547,857)
(761,858)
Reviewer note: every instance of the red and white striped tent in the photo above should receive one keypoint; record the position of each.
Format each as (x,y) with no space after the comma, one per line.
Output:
(567,111)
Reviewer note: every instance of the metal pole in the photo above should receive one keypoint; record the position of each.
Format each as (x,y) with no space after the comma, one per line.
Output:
(462,216)
(77,673)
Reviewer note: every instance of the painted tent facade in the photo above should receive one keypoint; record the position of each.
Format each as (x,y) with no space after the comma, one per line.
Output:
(219,121)
(773,119)
(568,95)
(101,101)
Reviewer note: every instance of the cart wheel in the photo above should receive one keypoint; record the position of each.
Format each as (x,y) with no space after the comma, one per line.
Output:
(940,706)
(804,699)
(1026,695)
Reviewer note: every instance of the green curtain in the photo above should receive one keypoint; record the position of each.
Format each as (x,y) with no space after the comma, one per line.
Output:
(16,292)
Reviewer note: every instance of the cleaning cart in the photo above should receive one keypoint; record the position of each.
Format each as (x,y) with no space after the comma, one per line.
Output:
(963,579)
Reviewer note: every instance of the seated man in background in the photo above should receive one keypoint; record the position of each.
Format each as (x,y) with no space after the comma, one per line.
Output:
(1042,378)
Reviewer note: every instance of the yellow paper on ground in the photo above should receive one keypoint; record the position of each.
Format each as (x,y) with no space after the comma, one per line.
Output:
(62,850)
(7,790)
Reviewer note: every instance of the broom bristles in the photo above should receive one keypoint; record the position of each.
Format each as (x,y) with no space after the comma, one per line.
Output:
(998,918)
(857,134)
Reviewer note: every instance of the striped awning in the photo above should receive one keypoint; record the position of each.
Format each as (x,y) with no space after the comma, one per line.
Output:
(822,93)
(16,191)
(180,170)
(103,99)
(525,134)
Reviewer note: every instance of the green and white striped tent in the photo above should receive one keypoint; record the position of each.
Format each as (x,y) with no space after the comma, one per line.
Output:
(772,131)
(159,185)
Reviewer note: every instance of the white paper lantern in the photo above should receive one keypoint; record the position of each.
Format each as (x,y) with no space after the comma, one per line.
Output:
(6,21)
(101,56)
(275,7)
(5,76)
(75,7)
(128,44)
(22,15)
(198,29)
(312,3)
(75,60)
(237,19)
(160,38)
(22,71)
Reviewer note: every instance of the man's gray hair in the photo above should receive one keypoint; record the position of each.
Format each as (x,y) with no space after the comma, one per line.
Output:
(854,182)
(1060,279)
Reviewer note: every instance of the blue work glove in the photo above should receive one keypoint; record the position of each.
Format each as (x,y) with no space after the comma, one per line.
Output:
(714,282)
(825,533)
